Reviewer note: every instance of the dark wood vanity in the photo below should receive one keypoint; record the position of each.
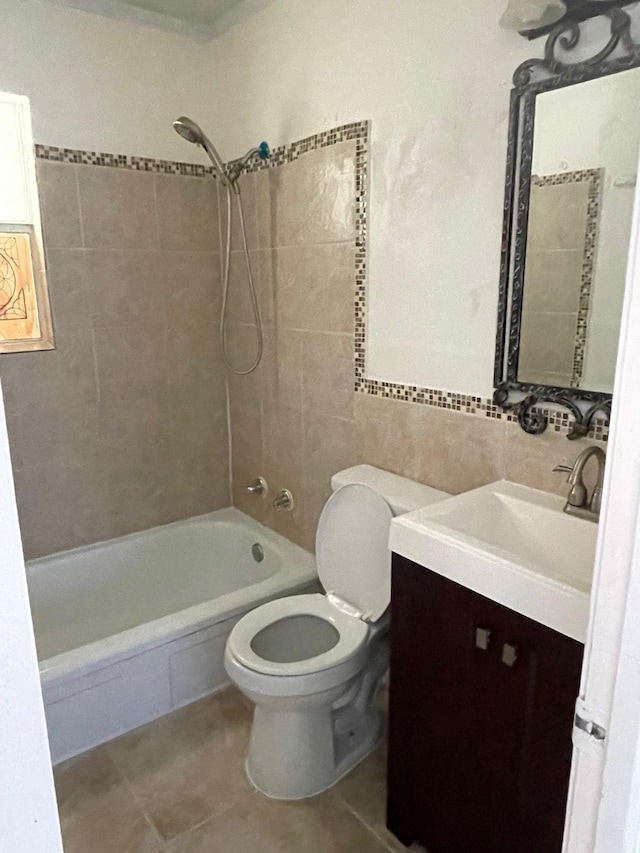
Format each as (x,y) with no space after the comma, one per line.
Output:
(481,713)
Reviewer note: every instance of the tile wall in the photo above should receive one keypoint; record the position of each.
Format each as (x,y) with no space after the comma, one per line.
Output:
(297,420)
(123,426)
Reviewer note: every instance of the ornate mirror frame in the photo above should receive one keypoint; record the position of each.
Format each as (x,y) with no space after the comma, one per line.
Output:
(532,78)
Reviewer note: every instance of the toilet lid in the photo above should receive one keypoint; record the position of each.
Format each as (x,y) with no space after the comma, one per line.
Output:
(352,549)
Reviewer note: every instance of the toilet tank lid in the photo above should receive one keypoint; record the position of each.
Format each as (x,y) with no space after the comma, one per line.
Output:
(402,494)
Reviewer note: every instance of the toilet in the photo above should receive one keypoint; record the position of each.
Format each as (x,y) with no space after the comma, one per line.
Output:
(312,663)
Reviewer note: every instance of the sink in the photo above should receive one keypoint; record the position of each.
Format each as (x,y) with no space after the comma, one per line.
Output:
(511,544)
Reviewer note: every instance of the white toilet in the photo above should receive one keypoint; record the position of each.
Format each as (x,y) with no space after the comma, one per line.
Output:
(312,663)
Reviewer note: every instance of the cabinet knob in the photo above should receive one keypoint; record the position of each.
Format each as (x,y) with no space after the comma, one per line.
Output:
(509,654)
(483,638)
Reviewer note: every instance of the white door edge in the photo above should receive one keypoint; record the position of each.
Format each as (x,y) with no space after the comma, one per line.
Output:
(28,812)
(602,815)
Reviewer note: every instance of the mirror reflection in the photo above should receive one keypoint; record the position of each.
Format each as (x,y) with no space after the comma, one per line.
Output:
(583,176)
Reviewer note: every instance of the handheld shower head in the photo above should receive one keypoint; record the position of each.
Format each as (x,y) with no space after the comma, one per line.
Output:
(192,132)
(189,130)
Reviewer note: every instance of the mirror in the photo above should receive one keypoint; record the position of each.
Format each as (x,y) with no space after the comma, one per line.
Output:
(574,142)
(586,140)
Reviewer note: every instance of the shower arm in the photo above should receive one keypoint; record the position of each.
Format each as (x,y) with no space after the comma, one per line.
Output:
(235,169)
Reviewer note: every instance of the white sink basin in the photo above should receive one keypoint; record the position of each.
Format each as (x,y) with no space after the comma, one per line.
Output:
(511,544)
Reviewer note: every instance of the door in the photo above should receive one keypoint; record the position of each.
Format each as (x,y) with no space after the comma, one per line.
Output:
(603,814)
(28,814)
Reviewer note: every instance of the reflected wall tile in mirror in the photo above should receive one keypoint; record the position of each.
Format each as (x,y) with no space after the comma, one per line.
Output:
(552,281)
(547,345)
(558,216)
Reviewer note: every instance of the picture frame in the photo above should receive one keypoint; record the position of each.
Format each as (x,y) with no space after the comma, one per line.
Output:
(25,309)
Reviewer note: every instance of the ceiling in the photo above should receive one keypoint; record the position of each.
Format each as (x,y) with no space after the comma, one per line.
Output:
(201,19)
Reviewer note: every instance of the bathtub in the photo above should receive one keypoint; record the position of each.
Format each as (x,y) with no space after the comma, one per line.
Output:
(133,628)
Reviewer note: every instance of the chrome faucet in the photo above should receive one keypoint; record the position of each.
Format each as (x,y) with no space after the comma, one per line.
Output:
(578,501)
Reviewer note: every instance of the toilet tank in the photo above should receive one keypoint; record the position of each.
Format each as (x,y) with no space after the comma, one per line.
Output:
(402,494)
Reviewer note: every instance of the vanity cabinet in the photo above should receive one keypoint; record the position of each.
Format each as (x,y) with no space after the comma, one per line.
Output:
(481,713)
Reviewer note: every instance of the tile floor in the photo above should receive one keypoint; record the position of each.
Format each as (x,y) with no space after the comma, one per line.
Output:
(178,786)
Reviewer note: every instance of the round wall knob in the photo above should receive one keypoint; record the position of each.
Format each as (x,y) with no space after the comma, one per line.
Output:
(283,501)
(258,487)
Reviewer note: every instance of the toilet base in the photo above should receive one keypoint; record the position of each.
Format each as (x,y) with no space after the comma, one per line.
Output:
(299,754)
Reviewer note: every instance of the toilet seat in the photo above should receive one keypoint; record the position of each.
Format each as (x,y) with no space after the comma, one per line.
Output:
(352,632)
(352,551)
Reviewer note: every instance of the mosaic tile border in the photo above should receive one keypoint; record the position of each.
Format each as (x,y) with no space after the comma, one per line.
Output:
(359,132)
(594,178)
(121,161)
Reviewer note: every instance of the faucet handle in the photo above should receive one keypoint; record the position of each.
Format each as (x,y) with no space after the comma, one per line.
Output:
(258,487)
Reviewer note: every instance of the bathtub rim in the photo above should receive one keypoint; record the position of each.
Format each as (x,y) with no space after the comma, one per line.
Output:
(297,573)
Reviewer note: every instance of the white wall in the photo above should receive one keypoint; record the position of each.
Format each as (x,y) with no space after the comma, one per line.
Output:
(434,78)
(104,85)
(597,126)
(28,814)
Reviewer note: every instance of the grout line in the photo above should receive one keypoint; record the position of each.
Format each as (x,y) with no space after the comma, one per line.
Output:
(80,213)
(364,823)
(136,799)
(210,819)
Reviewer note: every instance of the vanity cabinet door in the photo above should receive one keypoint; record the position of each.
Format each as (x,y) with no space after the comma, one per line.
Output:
(480,724)
(551,676)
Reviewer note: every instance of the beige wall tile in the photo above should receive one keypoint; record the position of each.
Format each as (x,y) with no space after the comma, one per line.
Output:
(69,438)
(287,378)
(457,452)
(118,208)
(247,456)
(130,352)
(199,480)
(125,287)
(124,425)
(446,450)
(67,276)
(240,307)
(187,213)
(385,435)
(283,464)
(62,506)
(58,195)
(193,301)
(53,377)
(328,373)
(308,201)
(314,288)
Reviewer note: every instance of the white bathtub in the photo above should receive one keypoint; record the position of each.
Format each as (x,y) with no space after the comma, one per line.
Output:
(129,630)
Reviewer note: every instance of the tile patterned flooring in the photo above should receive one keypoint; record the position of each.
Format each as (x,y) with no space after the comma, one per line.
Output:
(178,786)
